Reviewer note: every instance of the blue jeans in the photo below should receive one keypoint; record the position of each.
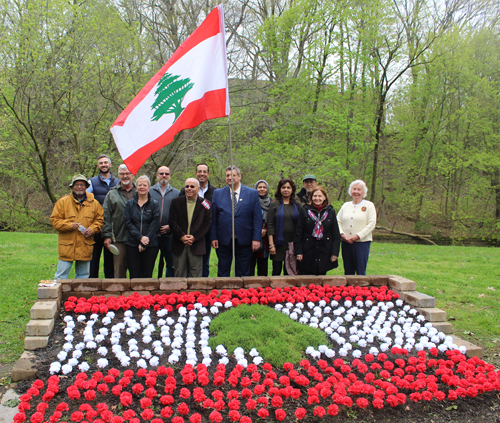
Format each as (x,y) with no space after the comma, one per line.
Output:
(82,269)
(355,257)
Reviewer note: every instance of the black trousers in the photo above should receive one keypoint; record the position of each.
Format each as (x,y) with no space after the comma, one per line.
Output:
(109,271)
(141,265)
(243,257)
(262,264)
(277,267)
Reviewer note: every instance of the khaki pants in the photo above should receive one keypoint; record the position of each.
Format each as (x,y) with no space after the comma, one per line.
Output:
(187,261)
(120,261)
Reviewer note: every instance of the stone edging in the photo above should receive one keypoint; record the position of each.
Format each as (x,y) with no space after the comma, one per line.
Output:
(44,311)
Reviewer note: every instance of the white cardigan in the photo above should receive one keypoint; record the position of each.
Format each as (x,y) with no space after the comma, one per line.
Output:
(359,219)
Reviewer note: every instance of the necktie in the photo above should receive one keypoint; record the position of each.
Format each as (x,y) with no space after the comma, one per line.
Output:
(235,202)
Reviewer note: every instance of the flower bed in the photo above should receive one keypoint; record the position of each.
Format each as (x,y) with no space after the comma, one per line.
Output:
(147,358)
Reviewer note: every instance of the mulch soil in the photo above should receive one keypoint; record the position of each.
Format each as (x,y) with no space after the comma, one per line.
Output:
(484,408)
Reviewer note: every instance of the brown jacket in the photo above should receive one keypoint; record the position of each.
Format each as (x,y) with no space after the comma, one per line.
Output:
(200,224)
(73,245)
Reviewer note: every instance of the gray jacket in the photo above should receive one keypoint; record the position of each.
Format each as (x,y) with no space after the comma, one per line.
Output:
(164,202)
(114,205)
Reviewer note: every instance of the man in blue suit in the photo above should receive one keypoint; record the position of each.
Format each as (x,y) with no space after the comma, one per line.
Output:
(247,224)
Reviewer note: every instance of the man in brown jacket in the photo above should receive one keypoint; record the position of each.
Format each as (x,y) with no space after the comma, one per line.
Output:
(76,217)
(190,219)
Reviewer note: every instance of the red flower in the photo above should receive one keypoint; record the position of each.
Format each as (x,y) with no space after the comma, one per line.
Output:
(128,414)
(319,412)
(177,419)
(280,414)
(145,402)
(166,412)
(62,407)
(245,419)
(263,413)
(90,395)
(150,393)
(362,402)
(333,409)
(147,414)
(234,415)
(77,416)
(215,416)
(300,413)
(183,408)
(137,388)
(195,418)
(277,401)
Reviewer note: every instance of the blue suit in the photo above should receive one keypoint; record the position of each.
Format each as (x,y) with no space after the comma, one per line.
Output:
(248,227)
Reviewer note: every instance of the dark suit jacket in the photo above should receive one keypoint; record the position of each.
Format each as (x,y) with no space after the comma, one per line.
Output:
(200,225)
(247,219)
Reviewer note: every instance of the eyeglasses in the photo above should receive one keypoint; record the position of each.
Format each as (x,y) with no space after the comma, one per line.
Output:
(190,186)
(164,173)
(124,173)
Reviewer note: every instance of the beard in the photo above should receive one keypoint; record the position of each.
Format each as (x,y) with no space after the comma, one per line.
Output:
(163,182)
(126,183)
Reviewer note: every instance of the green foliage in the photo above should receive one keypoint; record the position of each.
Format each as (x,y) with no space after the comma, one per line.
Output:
(275,336)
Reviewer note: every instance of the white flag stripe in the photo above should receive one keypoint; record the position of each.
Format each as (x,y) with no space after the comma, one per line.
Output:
(139,130)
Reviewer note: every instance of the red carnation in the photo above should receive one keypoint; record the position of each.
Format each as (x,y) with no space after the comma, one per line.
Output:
(215,416)
(145,402)
(280,414)
(234,415)
(183,408)
(147,414)
(362,402)
(333,409)
(126,399)
(195,418)
(185,393)
(263,413)
(300,413)
(77,416)
(90,395)
(137,388)
(166,412)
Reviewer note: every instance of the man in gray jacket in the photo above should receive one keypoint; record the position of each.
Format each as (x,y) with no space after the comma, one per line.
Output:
(164,193)
(114,231)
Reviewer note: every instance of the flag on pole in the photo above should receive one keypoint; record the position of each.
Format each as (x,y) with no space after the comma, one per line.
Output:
(191,88)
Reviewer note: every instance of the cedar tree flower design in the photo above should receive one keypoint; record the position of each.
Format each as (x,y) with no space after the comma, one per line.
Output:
(169,96)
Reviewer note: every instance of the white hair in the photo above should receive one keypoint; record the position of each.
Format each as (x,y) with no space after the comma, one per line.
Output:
(358,182)
(122,167)
(145,178)
(193,179)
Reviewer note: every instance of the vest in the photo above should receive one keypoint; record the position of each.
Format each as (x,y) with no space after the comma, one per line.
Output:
(101,188)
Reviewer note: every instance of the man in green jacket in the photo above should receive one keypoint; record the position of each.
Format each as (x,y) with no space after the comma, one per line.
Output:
(114,231)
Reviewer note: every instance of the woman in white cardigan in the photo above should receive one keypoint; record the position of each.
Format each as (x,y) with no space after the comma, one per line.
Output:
(357,220)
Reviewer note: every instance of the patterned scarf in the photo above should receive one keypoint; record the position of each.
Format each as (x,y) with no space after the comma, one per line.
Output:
(318,226)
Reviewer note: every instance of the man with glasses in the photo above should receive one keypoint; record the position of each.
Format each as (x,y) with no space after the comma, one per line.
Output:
(114,230)
(164,193)
(99,186)
(206,191)
(190,220)
(309,182)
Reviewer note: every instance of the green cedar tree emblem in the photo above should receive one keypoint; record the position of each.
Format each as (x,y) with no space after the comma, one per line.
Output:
(169,95)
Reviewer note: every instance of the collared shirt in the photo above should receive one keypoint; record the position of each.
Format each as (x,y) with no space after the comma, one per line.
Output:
(236,191)
(202,191)
(91,188)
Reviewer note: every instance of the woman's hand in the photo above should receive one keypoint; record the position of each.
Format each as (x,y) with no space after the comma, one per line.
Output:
(144,240)
(300,257)
(272,250)
(141,248)
(333,258)
(264,232)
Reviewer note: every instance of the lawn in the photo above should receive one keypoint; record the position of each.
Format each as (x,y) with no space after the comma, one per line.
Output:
(465,281)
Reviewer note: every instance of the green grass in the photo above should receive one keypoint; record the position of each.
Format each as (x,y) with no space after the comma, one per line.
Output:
(267,330)
(465,281)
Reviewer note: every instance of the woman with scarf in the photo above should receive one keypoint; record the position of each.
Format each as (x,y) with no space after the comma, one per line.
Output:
(282,219)
(260,256)
(317,239)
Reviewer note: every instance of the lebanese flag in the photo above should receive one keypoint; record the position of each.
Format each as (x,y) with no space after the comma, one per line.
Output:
(191,88)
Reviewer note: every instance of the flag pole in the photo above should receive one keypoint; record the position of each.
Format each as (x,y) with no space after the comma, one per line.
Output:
(233,232)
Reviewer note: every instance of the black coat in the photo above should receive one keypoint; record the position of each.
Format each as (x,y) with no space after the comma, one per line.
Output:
(142,221)
(200,224)
(317,253)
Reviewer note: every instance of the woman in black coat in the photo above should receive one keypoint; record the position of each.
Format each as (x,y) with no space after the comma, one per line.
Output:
(142,220)
(317,236)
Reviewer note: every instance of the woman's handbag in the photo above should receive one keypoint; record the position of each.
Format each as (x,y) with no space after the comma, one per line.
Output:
(291,260)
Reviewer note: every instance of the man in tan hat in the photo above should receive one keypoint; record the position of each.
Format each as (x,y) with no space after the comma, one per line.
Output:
(76,217)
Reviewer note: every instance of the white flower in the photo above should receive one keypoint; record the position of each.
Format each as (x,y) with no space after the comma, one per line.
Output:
(142,363)
(342,352)
(224,360)
(330,353)
(356,353)
(77,354)
(106,321)
(125,361)
(257,360)
(84,367)
(102,351)
(66,369)
(55,367)
(228,304)
(207,361)
(102,362)
(154,361)
(134,354)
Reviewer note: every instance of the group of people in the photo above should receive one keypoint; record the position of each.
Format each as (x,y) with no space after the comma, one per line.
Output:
(133,223)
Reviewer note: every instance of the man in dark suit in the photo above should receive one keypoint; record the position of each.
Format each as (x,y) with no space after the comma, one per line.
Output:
(206,191)
(247,224)
(189,220)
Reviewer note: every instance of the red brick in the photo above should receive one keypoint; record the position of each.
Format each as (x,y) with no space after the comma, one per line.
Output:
(255,281)
(86,285)
(116,285)
(129,293)
(197,284)
(379,280)
(333,280)
(173,284)
(144,284)
(358,280)
(282,281)
(306,280)
(228,283)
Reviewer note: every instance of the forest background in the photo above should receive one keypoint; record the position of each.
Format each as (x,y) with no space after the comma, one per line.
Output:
(404,94)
